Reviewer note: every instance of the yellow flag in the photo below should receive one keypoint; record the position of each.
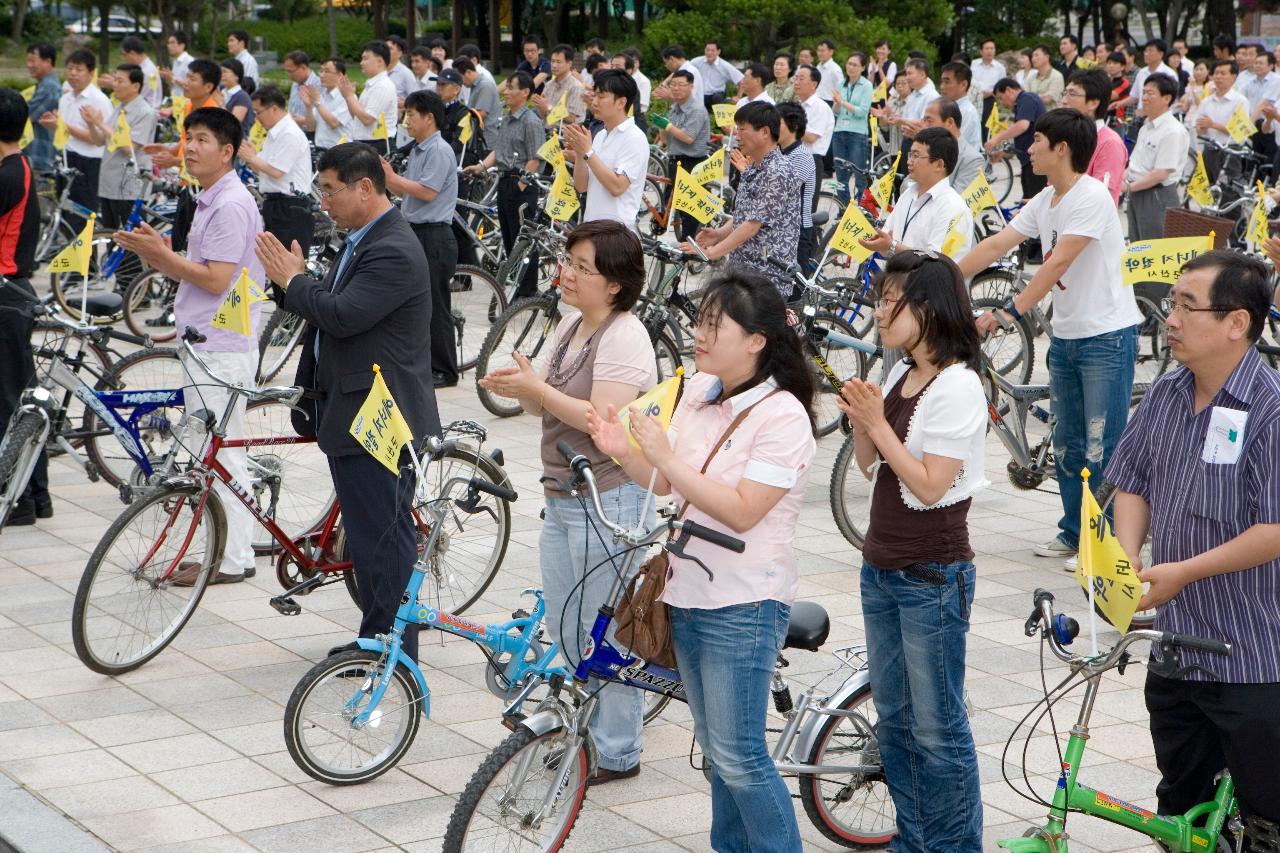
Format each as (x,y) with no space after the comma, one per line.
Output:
(710,169)
(179,106)
(956,239)
(185,176)
(875,133)
(978,194)
(882,189)
(1258,221)
(75,257)
(1198,186)
(562,200)
(1162,260)
(660,403)
(995,121)
(233,315)
(552,152)
(560,111)
(631,111)
(29,93)
(724,114)
(342,140)
(1103,565)
(465,130)
(154,83)
(380,129)
(852,228)
(60,134)
(379,426)
(689,196)
(882,91)
(28,134)
(121,137)
(1086,64)
(258,135)
(1240,126)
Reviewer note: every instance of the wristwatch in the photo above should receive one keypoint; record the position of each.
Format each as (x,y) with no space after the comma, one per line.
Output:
(590,153)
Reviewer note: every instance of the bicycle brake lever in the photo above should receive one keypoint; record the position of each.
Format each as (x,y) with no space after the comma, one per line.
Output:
(676,546)
(1170,665)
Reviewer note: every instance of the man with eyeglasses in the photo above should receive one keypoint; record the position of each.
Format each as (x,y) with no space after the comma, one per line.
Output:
(929,208)
(1089,93)
(1196,468)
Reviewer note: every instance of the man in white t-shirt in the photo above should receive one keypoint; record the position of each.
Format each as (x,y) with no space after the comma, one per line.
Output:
(821,122)
(987,72)
(754,78)
(377,99)
(1095,317)
(180,59)
(238,47)
(929,209)
(1153,54)
(673,59)
(610,168)
(1157,161)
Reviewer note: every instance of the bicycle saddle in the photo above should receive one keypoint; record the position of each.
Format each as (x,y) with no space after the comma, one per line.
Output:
(821,218)
(809,626)
(103,304)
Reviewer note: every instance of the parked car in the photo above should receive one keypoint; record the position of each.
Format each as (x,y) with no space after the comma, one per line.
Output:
(118,26)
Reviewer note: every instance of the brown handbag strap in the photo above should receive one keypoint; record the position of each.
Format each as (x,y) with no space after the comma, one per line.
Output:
(742,416)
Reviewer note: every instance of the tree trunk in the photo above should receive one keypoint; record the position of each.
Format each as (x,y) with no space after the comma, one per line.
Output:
(602,18)
(333,27)
(456,35)
(410,24)
(640,16)
(1219,19)
(19,20)
(495,35)
(517,25)
(379,19)
(104,37)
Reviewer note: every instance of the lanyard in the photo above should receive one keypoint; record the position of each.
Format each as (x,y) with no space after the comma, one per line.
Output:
(912,216)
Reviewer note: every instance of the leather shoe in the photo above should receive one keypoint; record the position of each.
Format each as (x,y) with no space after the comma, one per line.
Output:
(22,515)
(603,776)
(44,509)
(187,574)
(442,380)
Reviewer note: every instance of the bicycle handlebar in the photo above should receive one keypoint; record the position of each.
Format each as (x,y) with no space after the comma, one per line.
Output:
(287,394)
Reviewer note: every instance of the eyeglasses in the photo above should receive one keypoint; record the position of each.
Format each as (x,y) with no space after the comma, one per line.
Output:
(912,155)
(885,301)
(1072,93)
(566,261)
(1169,306)
(325,195)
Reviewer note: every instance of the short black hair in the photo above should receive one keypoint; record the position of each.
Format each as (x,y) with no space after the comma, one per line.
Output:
(207,70)
(422,52)
(133,72)
(628,61)
(921,65)
(1158,44)
(1222,41)
(593,62)
(82,57)
(339,64)
(1097,88)
(933,291)
(1116,56)
(377,48)
(14,113)
(883,43)
(1243,282)
(463,65)
(354,161)
(683,74)
(813,73)
(132,44)
(430,104)
(986,41)
(827,42)
(236,67)
(241,36)
(270,96)
(716,42)
(298,57)
(180,37)
(1079,132)
(400,43)
(565,50)
(1069,37)
(760,71)
(470,50)
(794,116)
(618,83)
(791,62)
(597,43)
(533,40)
(758,114)
(960,71)
(438,42)
(941,146)
(1044,48)
(948,110)
(1165,85)
(520,79)
(44,50)
(224,126)
(673,51)
(1231,63)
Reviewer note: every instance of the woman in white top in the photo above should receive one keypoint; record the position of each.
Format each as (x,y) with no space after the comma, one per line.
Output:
(921,439)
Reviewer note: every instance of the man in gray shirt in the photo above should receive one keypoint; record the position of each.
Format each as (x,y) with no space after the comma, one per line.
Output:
(686,136)
(429,189)
(484,94)
(945,113)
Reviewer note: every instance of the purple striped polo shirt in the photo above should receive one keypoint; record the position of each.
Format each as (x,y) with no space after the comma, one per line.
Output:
(1197,506)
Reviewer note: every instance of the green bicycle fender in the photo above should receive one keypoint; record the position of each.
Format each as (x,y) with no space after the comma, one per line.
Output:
(1029,845)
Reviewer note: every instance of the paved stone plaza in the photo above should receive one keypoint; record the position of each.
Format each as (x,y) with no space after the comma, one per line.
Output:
(187,753)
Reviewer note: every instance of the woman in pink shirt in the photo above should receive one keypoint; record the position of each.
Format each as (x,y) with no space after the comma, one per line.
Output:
(754,390)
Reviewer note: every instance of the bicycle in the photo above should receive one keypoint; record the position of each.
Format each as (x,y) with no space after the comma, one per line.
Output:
(1210,826)
(530,789)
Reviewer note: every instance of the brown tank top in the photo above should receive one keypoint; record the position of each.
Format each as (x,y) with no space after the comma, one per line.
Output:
(571,374)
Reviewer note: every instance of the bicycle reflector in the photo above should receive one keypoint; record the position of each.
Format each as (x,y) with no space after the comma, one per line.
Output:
(1065,629)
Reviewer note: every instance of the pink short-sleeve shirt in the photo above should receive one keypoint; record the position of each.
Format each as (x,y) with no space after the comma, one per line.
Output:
(773,445)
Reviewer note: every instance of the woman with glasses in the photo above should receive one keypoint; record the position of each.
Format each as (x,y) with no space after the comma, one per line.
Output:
(598,358)
(921,440)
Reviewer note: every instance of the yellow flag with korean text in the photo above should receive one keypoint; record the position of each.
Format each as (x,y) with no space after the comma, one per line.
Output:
(724,115)
(28,135)
(689,196)
(560,111)
(1103,565)
(1258,221)
(75,256)
(233,315)
(874,125)
(956,239)
(1161,260)
(853,227)
(710,169)
(882,189)
(660,403)
(258,135)
(465,129)
(1198,186)
(60,134)
(978,194)
(995,121)
(122,136)
(379,426)
(562,201)
(881,92)
(380,129)
(1240,126)
(552,153)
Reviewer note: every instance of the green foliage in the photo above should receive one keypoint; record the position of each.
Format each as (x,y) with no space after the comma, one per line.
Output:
(1012,24)
(310,34)
(292,10)
(41,26)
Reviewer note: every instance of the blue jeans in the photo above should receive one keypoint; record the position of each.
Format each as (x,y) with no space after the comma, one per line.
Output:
(915,647)
(570,546)
(856,148)
(726,658)
(1090,383)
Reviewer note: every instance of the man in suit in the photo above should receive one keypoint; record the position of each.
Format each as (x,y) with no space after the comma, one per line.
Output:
(365,311)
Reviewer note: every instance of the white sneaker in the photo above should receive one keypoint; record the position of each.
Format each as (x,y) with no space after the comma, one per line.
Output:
(1069,564)
(1055,547)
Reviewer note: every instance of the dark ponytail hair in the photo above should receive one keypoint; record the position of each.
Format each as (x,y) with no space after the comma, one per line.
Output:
(752,301)
(933,290)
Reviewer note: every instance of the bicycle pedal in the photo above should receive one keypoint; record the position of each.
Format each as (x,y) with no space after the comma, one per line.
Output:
(286,606)
(91,470)
(512,720)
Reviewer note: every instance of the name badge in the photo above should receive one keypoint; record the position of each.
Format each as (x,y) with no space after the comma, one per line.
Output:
(1225,437)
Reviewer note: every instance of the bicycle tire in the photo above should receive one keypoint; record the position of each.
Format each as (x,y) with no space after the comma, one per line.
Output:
(1011,350)
(855,298)
(850,495)
(476,301)
(148,306)
(289,482)
(652,220)
(144,370)
(485,783)
(526,326)
(278,341)
(102,620)
(342,686)
(1153,348)
(845,362)
(996,283)
(828,202)
(68,287)
(817,806)
(21,439)
(1000,178)
(93,360)
(654,704)
(667,355)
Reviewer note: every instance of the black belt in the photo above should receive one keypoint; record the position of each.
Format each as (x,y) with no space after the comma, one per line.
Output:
(417,225)
(283,197)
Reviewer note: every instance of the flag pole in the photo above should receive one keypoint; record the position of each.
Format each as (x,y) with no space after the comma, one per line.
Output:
(1086,566)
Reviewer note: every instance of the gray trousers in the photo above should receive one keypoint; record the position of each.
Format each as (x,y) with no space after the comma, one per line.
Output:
(1146,212)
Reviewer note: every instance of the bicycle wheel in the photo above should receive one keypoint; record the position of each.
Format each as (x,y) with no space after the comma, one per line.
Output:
(845,363)
(861,317)
(1153,348)
(668,356)
(126,608)
(498,808)
(1000,177)
(85,358)
(994,284)
(148,306)
(829,203)
(278,345)
(319,727)
(476,300)
(290,482)
(651,218)
(145,370)
(850,495)
(20,443)
(852,809)
(654,704)
(1011,350)
(525,327)
(70,287)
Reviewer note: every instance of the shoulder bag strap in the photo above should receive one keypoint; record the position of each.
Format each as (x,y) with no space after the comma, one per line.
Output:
(742,416)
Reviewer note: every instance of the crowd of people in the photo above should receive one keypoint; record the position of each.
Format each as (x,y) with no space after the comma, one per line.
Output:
(920,434)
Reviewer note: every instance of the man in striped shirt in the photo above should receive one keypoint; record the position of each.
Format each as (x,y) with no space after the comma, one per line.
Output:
(1197,467)
(790,142)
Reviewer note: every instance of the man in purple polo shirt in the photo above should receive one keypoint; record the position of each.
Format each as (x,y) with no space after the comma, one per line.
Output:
(1197,467)
(220,245)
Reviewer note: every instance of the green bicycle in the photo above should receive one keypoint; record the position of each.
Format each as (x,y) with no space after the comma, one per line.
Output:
(1211,827)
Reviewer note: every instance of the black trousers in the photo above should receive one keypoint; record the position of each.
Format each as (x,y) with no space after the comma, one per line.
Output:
(510,199)
(1032,183)
(688,225)
(828,159)
(709,101)
(289,218)
(1200,727)
(17,369)
(987,105)
(381,538)
(84,189)
(115,216)
(442,260)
